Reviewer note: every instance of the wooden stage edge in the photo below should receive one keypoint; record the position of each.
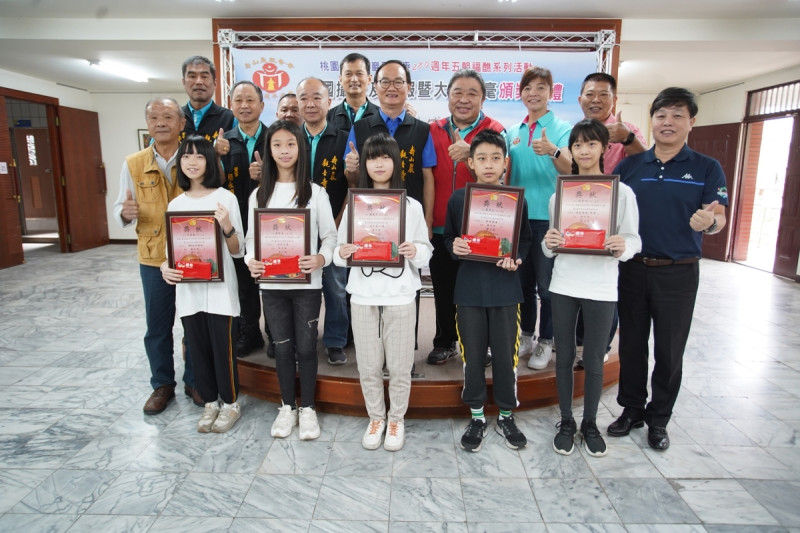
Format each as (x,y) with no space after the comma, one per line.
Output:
(429,399)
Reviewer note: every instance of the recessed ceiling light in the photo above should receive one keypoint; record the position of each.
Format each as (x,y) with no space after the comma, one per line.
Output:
(120,70)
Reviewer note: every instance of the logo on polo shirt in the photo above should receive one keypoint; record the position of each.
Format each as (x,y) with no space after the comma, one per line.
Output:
(687,176)
(722,192)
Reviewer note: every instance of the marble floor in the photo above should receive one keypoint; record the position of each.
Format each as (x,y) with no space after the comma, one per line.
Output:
(77,454)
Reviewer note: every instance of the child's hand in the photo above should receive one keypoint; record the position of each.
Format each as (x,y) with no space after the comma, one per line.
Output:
(347,249)
(170,275)
(256,268)
(408,250)
(223,217)
(309,263)
(460,246)
(509,264)
(615,244)
(553,239)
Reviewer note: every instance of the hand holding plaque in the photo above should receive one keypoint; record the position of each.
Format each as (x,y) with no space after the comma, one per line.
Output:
(585,213)
(194,246)
(491,222)
(376,226)
(282,239)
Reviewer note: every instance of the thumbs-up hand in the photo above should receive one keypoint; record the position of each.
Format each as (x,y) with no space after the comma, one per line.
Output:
(130,207)
(351,161)
(255,167)
(543,146)
(222,145)
(459,150)
(703,218)
(618,131)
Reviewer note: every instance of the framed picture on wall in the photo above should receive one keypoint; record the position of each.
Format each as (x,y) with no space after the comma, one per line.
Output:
(144,139)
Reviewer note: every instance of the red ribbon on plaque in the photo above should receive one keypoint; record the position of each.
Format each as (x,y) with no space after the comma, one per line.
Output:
(483,245)
(194,269)
(281,266)
(373,251)
(584,238)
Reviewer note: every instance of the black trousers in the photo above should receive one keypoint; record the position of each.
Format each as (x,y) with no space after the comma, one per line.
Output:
(480,328)
(249,300)
(213,338)
(444,270)
(663,296)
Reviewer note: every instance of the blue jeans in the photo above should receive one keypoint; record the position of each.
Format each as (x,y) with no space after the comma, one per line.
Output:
(337,315)
(293,317)
(159,306)
(535,273)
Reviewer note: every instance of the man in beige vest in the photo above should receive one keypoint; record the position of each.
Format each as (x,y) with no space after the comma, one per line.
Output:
(147,184)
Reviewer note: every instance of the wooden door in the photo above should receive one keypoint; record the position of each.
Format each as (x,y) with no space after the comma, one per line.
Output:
(11,233)
(35,171)
(83,183)
(721,142)
(787,248)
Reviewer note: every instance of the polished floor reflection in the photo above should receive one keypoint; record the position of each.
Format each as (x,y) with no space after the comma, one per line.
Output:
(77,454)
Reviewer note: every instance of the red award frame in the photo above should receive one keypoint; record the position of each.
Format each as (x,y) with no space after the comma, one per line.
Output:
(194,245)
(282,236)
(586,212)
(491,221)
(377,224)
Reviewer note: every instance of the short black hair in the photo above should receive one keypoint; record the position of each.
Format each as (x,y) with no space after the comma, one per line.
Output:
(601,77)
(488,137)
(468,73)
(376,146)
(251,84)
(395,62)
(290,94)
(199,60)
(202,146)
(352,58)
(675,96)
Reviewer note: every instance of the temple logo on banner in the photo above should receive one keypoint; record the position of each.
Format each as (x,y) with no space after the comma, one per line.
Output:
(271,78)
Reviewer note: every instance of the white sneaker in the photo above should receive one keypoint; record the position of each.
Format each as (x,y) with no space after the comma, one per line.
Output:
(284,422)
(395,436)
(229,413)
(541,355)
(373,434)
(309,427)
(525,344)
(605,358)
(210,412)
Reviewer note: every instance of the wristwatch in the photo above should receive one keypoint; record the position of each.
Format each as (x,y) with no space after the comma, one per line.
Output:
(556,154)
(712,227)
(629,139)
(230,233)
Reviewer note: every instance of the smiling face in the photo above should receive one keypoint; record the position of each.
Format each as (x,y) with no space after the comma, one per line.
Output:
(488,163)
(380,170)
(597,99)
(355,80)
(284,150)
(199,84)
(313,101)
(464,101)
(586,155)
(671,126)
(193,166)
(535,96)
(246,105)
(165,121)
(393,96)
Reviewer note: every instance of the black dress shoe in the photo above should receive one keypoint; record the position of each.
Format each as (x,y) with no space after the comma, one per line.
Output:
(249,344)
(624,424)
(657,438)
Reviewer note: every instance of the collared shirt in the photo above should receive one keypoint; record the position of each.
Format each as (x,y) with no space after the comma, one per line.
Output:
(668,194)
(465,131)
(354,114)
(531,128)
(428,152)
(250,142)
(198,114)
(313,141)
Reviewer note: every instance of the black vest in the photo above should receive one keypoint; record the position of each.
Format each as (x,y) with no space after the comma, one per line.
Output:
(411,136)
(237,168)
(215,118)
(328,171)
(340,118)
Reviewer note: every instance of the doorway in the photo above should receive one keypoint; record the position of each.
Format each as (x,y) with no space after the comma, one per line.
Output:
(30,141)
(763,182)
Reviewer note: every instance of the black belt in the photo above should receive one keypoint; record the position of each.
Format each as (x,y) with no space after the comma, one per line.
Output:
(659,261)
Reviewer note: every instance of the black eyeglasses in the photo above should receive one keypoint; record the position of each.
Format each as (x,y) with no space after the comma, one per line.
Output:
(398,84)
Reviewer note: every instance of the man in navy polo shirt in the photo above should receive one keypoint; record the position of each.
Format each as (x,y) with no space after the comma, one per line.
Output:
(681,196)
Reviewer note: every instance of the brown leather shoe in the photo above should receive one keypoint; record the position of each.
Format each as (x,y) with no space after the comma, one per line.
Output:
(194,395)
(158,401)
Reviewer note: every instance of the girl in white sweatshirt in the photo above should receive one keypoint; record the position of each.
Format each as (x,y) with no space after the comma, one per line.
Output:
(383,308)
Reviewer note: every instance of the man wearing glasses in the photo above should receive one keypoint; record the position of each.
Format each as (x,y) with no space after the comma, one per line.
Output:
(393,82)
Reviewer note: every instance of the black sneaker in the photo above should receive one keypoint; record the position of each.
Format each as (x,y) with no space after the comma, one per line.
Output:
(563,441)
(440,356)
(248,344)
(336,356)
(593,441)
(271,350)
(508,429)
(473,436)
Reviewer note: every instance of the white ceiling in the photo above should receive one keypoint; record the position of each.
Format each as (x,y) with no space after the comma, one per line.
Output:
(700,44)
